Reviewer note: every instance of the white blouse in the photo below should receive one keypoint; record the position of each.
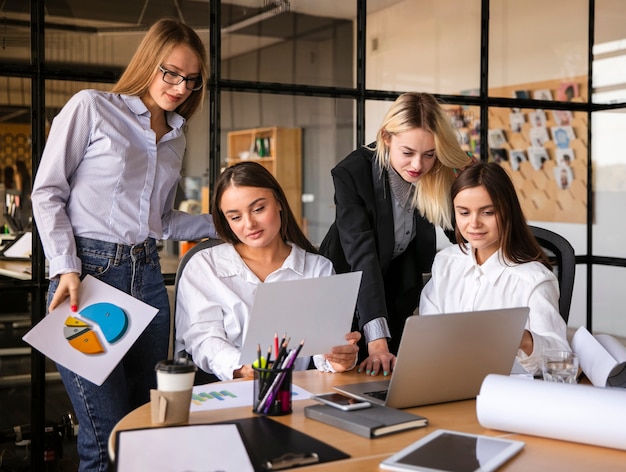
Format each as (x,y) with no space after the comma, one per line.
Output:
(215,295)
(459,284)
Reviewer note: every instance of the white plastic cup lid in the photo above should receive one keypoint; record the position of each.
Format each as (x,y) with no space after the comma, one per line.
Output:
(175,375)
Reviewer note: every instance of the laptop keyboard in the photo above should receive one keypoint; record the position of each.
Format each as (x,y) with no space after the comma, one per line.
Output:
(379,394)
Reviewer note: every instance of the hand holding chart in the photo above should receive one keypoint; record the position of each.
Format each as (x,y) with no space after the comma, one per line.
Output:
(94,340)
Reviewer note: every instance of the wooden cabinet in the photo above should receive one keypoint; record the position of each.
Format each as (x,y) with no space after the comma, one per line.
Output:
(279,150)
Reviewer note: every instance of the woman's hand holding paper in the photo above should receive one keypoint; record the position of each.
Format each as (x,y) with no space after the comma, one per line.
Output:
(344,357)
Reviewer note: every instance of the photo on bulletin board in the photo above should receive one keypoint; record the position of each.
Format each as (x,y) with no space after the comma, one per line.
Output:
(498,155)
(563,176)
(539,136)
(562,135)
(542,94)
(567,91)
(562,117)
(496,138)
(537,118)
(517,157)
(517,120)
(521,94)
(564,156)
(537,155)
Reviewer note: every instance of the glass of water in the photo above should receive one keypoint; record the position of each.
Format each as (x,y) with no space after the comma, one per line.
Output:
(559,366)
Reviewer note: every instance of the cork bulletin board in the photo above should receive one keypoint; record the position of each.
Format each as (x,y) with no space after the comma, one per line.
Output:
(544,151)
(15,144)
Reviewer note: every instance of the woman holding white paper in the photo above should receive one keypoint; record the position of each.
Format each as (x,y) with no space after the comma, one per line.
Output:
(263,244)
(497,263)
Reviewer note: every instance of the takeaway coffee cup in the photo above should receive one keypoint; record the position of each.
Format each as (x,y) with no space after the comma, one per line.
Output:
(172,397)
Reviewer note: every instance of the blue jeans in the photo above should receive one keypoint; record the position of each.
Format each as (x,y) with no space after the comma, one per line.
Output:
(135,270)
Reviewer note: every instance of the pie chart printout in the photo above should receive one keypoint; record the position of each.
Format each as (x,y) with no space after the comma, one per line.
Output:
(111,319)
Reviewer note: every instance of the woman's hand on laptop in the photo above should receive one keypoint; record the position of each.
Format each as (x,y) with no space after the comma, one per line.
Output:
(344,357)
(379,360)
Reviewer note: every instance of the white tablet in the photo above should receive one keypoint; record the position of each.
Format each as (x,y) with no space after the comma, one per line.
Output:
(451,451)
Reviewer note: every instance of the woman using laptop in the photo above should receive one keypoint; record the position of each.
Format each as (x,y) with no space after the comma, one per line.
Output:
(389,197)
(497,263)
(263,244)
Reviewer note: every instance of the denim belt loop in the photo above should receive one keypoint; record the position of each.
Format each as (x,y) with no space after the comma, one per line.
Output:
(119,253)
(141,250)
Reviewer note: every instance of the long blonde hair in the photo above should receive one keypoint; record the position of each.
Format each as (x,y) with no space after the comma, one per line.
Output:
(155,47)
(432,193)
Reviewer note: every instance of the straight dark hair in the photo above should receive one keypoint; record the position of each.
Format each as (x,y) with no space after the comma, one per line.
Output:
(253,174)
(516,239)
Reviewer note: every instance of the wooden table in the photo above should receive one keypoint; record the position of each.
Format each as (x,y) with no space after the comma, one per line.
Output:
(539,454)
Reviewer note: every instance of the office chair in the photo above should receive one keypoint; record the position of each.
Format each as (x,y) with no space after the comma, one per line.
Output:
(563,259)
(202,377)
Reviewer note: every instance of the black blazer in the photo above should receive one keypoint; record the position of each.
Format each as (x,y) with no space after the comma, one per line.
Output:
(362,239)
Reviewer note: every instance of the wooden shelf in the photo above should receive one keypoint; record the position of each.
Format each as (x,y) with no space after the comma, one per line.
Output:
(279,150)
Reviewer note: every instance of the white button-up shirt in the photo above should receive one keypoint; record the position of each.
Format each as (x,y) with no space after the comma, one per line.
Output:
(459,284)
(214,298)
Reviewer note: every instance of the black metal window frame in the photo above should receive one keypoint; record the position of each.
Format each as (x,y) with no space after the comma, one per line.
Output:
(38,71)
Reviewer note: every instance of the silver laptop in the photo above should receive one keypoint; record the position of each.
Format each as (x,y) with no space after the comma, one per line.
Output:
(445,358)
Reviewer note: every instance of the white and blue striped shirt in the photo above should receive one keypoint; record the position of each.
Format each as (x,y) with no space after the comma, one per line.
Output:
(104,176)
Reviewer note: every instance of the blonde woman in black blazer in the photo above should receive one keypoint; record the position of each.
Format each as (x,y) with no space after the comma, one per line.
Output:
(389,196)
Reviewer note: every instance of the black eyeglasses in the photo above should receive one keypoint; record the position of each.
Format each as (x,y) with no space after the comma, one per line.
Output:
(172,78)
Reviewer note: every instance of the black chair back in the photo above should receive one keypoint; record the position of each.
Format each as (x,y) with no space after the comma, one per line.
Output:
(561,254)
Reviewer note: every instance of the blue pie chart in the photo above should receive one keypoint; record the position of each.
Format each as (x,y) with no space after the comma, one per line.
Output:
(112,320)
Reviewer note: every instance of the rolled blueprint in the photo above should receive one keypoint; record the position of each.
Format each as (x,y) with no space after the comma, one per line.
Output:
(571,412)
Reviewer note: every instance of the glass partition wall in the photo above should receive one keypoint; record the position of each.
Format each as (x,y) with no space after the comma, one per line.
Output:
(536,86)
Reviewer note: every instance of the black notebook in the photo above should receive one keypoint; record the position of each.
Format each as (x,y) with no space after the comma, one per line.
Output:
(371,422)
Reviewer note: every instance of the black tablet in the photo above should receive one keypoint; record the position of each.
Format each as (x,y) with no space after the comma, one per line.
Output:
(451,451)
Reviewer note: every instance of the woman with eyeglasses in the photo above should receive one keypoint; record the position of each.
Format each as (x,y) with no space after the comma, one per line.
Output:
(104,193)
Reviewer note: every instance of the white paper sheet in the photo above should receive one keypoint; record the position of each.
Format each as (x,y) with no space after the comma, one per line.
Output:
(218,395)
(21,248)
(320,311)
(183,448)
(49,338)
(602,358)
(571,412)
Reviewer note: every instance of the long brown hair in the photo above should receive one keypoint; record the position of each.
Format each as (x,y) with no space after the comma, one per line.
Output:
(422,110)
(253,174)
(517,242)
(155,47)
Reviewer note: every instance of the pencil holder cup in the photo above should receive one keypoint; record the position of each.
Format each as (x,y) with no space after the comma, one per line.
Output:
(272,391)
